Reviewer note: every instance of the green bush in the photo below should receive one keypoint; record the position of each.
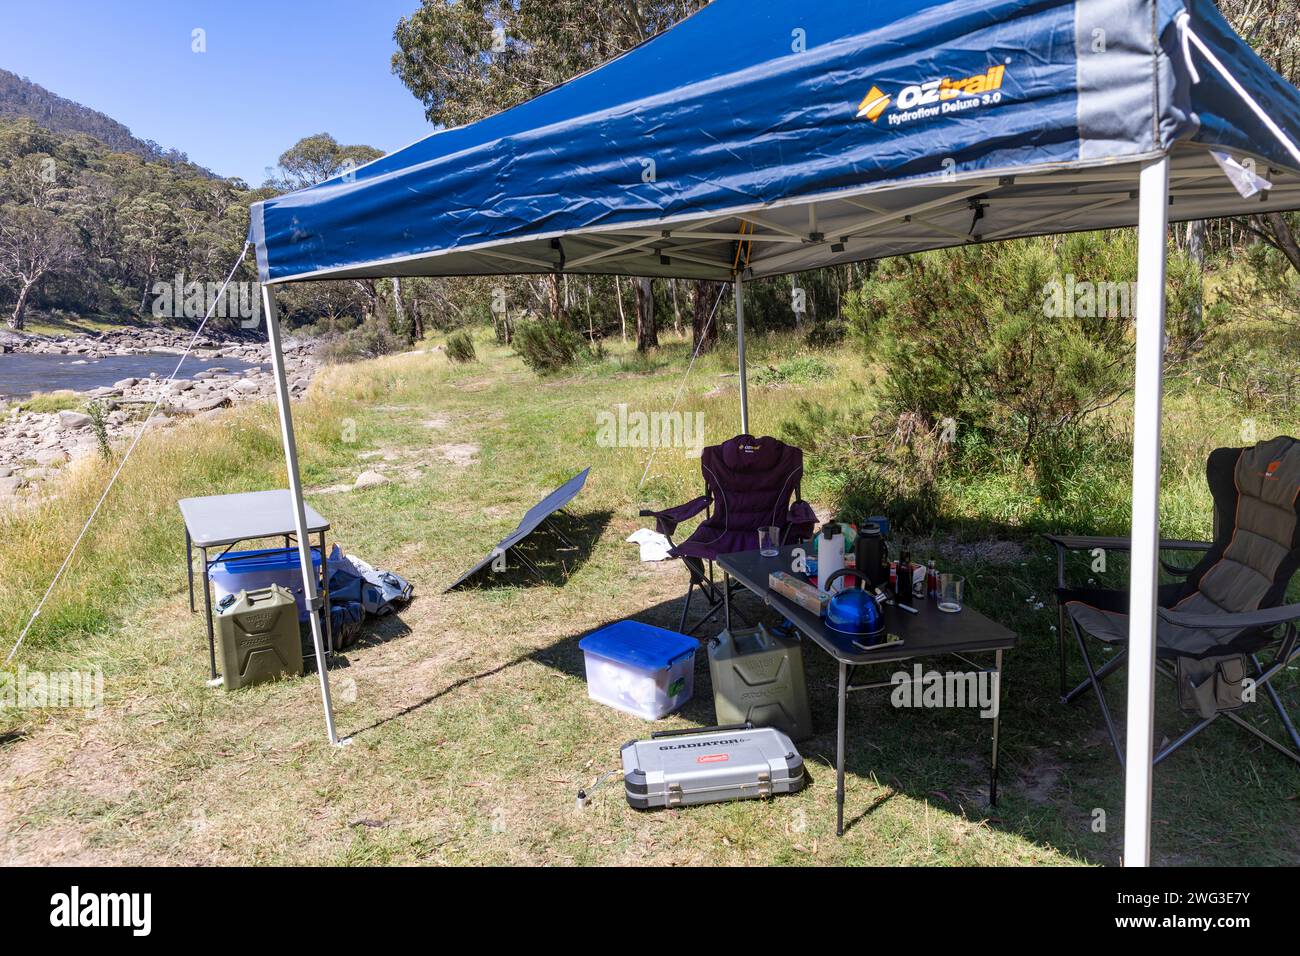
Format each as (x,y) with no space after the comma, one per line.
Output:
(371,339)
(1020,342)
(47,402)
(990,368)
(98,413)
(547,346)
(1253,351)
(460,348)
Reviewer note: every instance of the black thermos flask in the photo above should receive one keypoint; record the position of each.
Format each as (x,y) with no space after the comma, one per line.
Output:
(869,555)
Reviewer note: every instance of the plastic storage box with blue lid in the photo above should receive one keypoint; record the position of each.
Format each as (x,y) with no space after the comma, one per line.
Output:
(640,669)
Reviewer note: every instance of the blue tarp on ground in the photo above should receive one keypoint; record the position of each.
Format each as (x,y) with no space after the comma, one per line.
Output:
(767,104)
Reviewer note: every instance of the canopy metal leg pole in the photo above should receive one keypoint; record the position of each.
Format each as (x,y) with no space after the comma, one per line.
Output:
(1153,219)
(740,356)
(309,582)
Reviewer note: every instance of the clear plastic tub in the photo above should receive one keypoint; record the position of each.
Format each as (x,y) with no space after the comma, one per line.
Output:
(639,669)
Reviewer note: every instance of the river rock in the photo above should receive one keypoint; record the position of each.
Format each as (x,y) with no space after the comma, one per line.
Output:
(206,404)
(48,457)
(10,484)
(125,383)
(72,421)
(246,386)
(370,479)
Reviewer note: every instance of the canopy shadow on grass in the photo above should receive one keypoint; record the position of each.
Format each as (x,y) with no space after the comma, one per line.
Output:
(440,693)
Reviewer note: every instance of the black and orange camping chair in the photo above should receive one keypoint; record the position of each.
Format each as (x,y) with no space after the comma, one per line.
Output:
(1214,623)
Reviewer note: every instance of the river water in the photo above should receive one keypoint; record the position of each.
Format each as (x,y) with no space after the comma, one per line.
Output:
(23,373)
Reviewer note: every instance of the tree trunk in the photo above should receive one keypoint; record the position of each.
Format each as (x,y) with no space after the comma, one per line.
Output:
(417,320)
(677,311)
(17,321)
(399,314)
(591,329)
(704,333)
(554,301)
(1196,255)
(622,316)
(647,336)
(1285,238)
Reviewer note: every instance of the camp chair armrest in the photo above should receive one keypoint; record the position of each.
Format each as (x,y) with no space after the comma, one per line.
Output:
(1079,542)
(1084,542)
(666,521)
(1267,617)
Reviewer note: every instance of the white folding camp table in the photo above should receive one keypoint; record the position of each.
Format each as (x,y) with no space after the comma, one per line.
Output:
(223,521)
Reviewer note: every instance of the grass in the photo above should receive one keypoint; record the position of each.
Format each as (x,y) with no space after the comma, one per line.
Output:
(47,402)
(62,323)
(471,726)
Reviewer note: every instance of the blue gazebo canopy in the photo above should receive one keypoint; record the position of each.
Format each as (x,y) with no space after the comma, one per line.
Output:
(816,133)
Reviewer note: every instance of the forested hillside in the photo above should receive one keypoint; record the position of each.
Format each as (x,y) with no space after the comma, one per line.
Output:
(20,97)
(89,229)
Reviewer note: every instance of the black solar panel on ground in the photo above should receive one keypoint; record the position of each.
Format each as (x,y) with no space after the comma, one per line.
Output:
(535,515)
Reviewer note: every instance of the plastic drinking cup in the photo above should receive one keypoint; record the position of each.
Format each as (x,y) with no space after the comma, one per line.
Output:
(951,592)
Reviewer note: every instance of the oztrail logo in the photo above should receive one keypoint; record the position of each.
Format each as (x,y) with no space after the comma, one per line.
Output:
(935,97)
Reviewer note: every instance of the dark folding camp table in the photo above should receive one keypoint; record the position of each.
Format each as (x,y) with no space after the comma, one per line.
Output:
(223,521)
(928,633)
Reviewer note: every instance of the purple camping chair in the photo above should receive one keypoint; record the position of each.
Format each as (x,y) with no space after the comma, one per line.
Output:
(748,484)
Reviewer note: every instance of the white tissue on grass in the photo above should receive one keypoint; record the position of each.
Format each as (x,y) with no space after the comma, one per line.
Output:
(654,546)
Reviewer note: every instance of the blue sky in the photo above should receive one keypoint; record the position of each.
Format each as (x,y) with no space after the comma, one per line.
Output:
(274,71)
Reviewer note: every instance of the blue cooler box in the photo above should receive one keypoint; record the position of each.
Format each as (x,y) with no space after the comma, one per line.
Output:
(256,570)
(640,669)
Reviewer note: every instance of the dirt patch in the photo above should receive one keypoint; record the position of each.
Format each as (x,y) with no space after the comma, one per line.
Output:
(76,762)
(460,454)
(328,490)
(991,550)
(1040,777)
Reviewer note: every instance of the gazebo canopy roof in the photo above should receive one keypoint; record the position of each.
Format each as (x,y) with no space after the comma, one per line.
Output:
(771,136)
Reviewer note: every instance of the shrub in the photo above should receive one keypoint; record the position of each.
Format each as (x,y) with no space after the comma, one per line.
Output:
(371,339)
(992,365)
(547,346)
(872,465)
(1018,341)
(98,413)
(460,348)
(1254,352)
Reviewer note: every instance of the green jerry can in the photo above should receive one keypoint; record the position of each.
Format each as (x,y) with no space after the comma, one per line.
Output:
(758,677)
(259,637)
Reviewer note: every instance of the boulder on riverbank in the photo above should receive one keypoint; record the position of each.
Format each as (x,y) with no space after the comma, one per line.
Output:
(73,421)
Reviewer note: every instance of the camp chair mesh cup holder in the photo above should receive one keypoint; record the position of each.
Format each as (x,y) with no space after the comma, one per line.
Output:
(749,483)
(1216,618)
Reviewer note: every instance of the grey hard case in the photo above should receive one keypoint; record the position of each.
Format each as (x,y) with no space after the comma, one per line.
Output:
(684,767)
